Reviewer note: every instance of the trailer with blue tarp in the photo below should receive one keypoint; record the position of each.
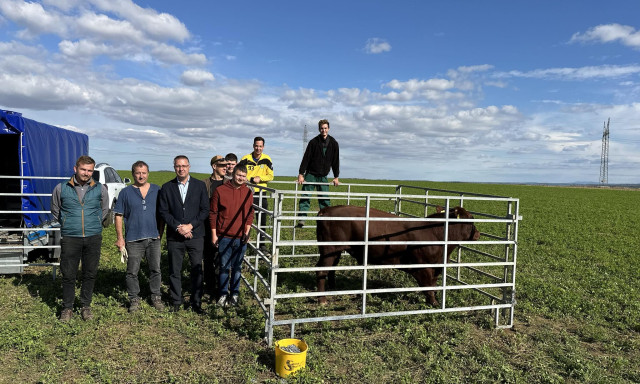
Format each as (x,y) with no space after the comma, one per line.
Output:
(34,156)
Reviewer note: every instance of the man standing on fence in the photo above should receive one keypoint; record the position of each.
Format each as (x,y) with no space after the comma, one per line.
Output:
(260,172)
(80,205)
(321,155)
(136,206)
(231,216)
(184,205)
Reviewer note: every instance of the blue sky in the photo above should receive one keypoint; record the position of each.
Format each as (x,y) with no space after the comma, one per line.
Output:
(484,91)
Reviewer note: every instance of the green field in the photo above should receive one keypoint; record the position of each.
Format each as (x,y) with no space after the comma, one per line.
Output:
(577,317)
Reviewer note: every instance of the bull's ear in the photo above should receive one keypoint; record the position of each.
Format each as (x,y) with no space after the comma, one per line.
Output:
(456,211)
(439,209)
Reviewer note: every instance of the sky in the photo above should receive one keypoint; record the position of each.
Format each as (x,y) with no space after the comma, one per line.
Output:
(475,91)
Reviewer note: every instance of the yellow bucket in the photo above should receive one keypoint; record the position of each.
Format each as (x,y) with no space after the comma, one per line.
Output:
(289,362)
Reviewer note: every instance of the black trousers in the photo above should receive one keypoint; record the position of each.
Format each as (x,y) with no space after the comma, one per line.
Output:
(76,250)
(265,205)
(211,265)
(176,251)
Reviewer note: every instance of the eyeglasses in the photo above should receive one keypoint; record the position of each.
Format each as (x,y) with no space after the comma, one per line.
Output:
(144,205)
(181,166)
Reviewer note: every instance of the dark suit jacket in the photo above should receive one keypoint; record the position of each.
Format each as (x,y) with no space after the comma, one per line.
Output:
(194,211)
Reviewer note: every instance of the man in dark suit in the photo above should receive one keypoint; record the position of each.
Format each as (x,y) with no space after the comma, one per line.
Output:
(184,205)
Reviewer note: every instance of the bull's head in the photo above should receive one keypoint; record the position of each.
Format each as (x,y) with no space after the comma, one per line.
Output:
(461,213)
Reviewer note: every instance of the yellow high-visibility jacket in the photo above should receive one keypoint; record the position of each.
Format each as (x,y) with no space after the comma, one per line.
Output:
(263,168)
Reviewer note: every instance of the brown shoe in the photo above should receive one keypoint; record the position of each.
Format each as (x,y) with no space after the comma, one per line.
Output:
(134,305)
(66,315)
(156,301)
(86,313)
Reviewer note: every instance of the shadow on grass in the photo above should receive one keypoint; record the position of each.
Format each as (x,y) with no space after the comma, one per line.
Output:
(43,285)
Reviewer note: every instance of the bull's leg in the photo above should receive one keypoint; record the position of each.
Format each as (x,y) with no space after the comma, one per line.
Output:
(321,276)
(426,278)
(332,274)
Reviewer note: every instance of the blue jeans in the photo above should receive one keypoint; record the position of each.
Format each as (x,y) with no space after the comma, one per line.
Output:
(149,248)
(231,256)
(76,250)
(176,250)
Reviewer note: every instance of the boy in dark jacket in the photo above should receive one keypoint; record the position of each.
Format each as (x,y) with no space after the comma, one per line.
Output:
(321,155)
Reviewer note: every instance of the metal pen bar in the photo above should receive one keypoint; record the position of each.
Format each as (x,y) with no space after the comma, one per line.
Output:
(389,314)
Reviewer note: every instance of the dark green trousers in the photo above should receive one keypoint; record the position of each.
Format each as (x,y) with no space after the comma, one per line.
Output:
(305,202)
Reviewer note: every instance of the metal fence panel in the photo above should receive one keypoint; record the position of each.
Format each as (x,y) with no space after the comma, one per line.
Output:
(480,275)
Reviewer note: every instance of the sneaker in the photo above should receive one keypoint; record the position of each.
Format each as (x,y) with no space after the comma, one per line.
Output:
(86,313)
(233,300)
(175,308)
(300,224)
(156,301)
(222,301)
(134,305)
(66,315)
(197,308)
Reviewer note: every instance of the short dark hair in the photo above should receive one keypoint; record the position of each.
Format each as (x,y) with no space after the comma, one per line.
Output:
(240,167)
(139,164)
(180,157)
(258,138)
(323,121)
(84,159)
(231,157)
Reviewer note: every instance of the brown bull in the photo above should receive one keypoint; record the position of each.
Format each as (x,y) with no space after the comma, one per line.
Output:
(337,230)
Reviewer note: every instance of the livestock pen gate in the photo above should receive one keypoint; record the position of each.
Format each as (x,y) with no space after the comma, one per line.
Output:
(480,275)
(17,241)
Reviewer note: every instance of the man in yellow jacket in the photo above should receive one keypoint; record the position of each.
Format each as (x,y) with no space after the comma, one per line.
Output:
(259,172)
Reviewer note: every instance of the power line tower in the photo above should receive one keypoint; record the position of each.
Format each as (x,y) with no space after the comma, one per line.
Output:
(604,159)
(305,139)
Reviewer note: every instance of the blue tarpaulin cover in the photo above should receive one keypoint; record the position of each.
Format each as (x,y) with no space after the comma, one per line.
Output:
(46,151)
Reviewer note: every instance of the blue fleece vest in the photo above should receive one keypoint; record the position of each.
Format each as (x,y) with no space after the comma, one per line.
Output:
(81,218)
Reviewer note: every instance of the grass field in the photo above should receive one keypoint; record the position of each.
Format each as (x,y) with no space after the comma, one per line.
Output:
(577,317)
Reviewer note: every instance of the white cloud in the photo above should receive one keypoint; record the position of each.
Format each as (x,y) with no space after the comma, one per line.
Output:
(42,92)
(415,85)
(350,96)
(376,45)
(137,34)
(304,98)
(173,55)
(87,49)
(582,73)
(102,27)
(607,33)
(158,26)
(34,17)
(475,68)
(196,77)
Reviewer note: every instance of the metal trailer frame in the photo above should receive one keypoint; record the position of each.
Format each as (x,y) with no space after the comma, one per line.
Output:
(22,248)
(498,251)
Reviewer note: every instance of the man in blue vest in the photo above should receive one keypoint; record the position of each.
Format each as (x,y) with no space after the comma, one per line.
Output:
(80,205)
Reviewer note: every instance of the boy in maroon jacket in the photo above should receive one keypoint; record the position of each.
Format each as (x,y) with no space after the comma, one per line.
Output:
(231,216)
